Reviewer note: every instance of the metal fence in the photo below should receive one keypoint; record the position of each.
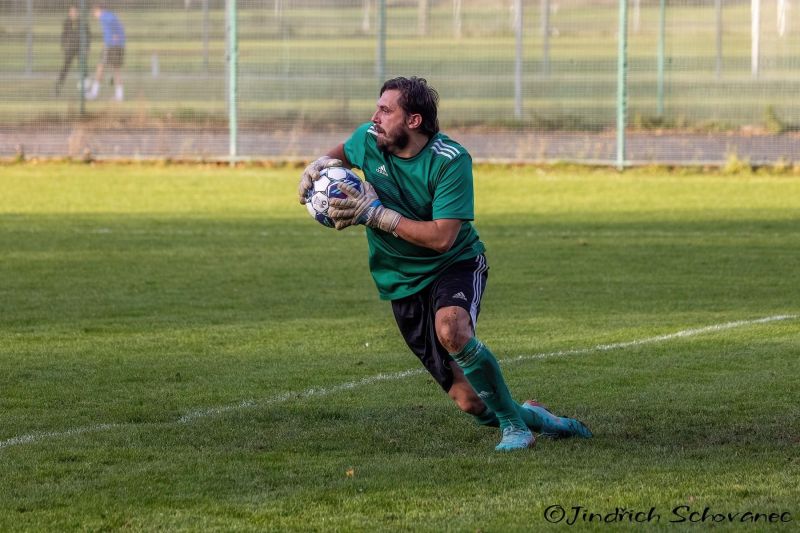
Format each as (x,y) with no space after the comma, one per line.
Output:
(520,80)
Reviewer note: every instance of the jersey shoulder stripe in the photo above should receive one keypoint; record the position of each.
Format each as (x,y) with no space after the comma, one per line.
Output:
(440,148)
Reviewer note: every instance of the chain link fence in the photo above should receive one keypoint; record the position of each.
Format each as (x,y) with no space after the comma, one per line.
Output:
(519,80)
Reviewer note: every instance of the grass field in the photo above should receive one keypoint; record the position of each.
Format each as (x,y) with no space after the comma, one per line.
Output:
(182,348)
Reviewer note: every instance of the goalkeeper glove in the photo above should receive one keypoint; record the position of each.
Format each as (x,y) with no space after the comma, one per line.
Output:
(362,207)
(311,174)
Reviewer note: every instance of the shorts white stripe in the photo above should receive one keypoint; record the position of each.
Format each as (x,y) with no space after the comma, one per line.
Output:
(477,288)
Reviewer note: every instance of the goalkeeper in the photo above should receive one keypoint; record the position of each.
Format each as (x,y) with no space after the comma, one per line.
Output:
(425,256)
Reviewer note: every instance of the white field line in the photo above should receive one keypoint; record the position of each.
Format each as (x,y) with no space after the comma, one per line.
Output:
(661,338)
(313,392)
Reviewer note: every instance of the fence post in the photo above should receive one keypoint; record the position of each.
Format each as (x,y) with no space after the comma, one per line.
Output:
(380,67)
(545,9)
(518,27)
(662,13)
(718,10)
(233,62)
(622,93)
(84,47)
(423,17)
(205,35)
(29,37)
(755,36)
(457,19)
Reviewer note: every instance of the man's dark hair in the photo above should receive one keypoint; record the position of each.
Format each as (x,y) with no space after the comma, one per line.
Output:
(416,96)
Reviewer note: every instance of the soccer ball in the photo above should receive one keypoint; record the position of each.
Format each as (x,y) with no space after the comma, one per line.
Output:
(326,187)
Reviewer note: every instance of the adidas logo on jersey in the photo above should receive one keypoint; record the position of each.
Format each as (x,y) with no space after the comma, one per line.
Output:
(382,170)
(460,296)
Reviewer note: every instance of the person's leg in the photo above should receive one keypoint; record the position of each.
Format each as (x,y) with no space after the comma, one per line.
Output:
(456,296)
(415,319)
(480,368)
(550,425)
(119,94)
(535,415)
(117,67)
(418,330)
(94,90)
(465,397)
(68,58)
(461,288)
(415,322)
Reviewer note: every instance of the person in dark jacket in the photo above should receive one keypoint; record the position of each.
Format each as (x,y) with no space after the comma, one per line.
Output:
(71,43)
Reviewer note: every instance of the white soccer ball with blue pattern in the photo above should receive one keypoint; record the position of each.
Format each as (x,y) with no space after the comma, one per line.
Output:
(325,188)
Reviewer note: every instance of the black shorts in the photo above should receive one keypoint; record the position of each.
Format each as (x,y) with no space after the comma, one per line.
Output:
(113,56)
(461,285)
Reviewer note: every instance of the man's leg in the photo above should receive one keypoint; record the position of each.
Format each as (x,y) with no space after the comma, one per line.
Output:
(536,416)
(480,368)
(94,90)
(119,95)
(464,396)
(117,60)
(415,318)
(68,58)
(550,425)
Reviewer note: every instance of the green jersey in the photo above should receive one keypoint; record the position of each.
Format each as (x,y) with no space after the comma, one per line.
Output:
(434,184)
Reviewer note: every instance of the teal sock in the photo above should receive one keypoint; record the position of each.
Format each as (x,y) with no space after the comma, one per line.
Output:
(487,418)
(531,419)
(483,373)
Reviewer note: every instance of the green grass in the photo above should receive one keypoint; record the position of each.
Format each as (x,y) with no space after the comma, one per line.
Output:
(182,348)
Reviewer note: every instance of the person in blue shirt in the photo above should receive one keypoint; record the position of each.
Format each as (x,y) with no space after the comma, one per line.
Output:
(113,53)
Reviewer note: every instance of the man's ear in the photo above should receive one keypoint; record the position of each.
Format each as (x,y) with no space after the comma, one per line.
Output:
(414,121)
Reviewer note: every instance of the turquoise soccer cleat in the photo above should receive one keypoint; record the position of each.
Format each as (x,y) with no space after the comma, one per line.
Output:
(515,439)
(557,427)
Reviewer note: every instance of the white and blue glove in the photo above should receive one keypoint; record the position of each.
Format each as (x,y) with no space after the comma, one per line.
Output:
(362,207)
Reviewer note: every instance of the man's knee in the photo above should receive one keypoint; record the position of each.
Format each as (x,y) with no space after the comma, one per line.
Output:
(453,328)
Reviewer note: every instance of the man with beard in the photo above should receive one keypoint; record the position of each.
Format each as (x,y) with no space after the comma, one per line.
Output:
(425,255)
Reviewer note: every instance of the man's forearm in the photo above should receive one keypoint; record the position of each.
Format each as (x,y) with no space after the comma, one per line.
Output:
(437,235)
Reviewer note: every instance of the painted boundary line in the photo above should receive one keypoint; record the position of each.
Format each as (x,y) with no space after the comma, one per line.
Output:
(34,438)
